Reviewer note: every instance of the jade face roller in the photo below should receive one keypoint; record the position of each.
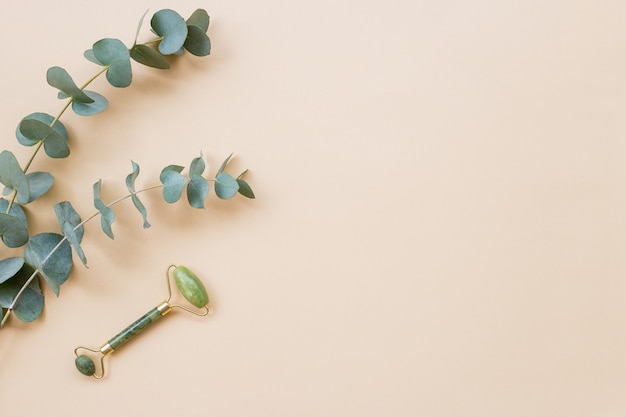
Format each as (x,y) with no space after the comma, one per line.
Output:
(189,286)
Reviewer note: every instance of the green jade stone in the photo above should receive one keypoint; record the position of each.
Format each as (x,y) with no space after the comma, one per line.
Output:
(135,328)
(190,286)
(85,365)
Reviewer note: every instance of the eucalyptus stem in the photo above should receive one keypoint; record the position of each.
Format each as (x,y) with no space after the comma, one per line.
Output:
(63,240)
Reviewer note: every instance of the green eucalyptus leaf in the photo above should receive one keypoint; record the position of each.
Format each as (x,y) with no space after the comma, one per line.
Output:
(245,189)
(132,177)
(13,230)
(99,104)
(172,29)
(130,184)
(16,211)
(199,18)
(9,267)
(55,144)
(197,190)
(51,254)
(30,304)
(149,57)
(112,53)
(225,186)
(12,176)
(173,183)
(107,215)
(139,25)
(197,42)
(39,184)
(197,166)
(89,55)
(58,77)
(68,232)
(44,118)
(71,226)
(223,166)
(66,213)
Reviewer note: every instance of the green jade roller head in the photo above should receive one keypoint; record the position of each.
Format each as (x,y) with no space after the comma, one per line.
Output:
(190,287)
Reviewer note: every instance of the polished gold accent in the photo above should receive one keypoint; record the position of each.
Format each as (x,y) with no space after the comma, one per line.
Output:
(164,308)
(106,349)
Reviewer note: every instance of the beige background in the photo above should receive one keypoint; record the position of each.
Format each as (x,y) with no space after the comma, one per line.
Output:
(439,229)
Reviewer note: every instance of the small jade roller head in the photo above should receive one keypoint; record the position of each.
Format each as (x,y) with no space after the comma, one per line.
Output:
(190,287)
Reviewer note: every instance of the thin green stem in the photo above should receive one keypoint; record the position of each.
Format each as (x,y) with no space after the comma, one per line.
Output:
(11,307)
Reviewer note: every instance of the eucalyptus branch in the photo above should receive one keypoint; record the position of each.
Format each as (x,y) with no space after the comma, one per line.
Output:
(49,255)
(64,239)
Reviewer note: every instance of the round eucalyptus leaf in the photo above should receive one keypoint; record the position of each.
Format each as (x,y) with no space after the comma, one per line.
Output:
(51,254)
(12,176)
(16,210)
(58,77)
(112,53)
(89,55)
(173,183)
(39,184)
(199,18)
(197,42)
(54,143)
(149,57)
(42,117)
(30,304)
(172,29)
(9,267)
(225,186)
(197,190)
(98,104)
(13,230)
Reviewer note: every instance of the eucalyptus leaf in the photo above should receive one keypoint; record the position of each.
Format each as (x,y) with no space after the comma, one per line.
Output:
(107,215)
(13,230)
(39,183)
(70,223)
(197,191)
(99,104)
(173,183)
(149,57)
(197,166)
(197,42)
(172,29)
(55,144)
(112,53)
(51,254)
(58,77)
(66,214)
(16,210)
(9,267)
(199,18)
(44,118)
(245,189)
(139,25)
(30,305)
(225,186)
(130,184)
(89,55)
(223,166)
(68,232)
(11,175)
